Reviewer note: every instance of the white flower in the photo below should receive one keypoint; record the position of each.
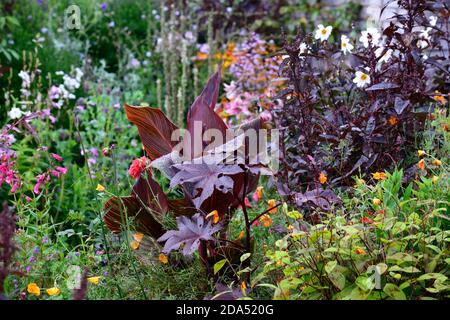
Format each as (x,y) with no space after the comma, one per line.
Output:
(433,20)
(346,46)
(323,33)
(303,48)
(230,90)
(26,80)
(422,44)
(361,79)
(71,83)
(385,57)
(371,34)
(15,113)
(425,34)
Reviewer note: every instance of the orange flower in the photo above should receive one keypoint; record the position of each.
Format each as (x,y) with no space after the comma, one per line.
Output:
(241,235)
(437,162)
(266,220)
(445,127)
(271,204)
(163,258)
(360,251)
(379,175)
(393,120)
(215,216)
(243,286)
(290,227)
(323,178)
(259,192)
(34,289)
(439,97)
(421,164)
(137,240)
(202,56)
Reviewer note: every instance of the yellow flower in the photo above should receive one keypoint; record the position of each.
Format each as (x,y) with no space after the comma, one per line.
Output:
(215,216)
(360,251)
(163,259)
(243,286)
(290,227)
(94,280)
(266,220)
(437,162)
(376,201)
(435,179)
(34,289)
(421,153)
(53,291)
(379,175)
(421,164)
(100,188)
(271,204)
(323,178)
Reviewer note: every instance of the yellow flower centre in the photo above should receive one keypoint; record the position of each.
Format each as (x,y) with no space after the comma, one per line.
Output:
(324,31)
(364,77)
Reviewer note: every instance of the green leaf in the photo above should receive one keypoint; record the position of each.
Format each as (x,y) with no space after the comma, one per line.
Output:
(394,292)
(219,265)
(408,269)
(428,276)
(337,279)
(245,256)
(329,267)
(365,283)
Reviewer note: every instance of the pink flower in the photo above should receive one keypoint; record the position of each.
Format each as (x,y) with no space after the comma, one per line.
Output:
(39,179)
(62,170)
(28,199)
(137,167)
(57,157)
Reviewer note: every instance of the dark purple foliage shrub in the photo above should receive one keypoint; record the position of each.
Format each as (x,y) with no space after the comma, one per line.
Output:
(7,246)
(333,128)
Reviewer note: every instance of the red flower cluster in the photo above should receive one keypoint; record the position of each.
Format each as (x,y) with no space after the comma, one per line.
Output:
(138,166)
(367,220)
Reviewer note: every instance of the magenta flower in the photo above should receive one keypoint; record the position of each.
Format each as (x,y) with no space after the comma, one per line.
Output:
(57,157)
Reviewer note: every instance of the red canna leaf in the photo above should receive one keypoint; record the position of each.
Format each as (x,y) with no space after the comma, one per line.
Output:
(146,205)
(202,111)
(155,129)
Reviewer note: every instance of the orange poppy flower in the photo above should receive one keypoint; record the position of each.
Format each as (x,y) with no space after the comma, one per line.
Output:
(266,220)
(323,178)
(163,258)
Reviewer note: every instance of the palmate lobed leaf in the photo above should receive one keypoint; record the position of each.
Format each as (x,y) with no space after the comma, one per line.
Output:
(190,232)
(205,179)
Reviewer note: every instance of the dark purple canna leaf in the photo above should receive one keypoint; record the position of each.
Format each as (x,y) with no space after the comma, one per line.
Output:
(155,129)
(145,207)
(202,111)
(189,234)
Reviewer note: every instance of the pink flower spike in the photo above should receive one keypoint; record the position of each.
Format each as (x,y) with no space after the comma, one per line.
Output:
(62,170)
(57,157)
(28,199)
